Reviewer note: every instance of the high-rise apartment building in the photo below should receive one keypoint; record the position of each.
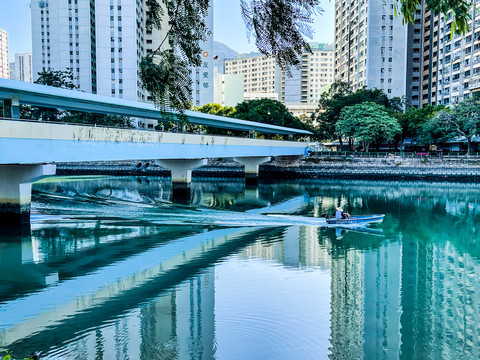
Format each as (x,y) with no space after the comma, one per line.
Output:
(101,41)
(373,47)
(451,68)
(4,64)
(12,70)
(23,67)
(261,76)
(306,83)
(203,77)
(299,90)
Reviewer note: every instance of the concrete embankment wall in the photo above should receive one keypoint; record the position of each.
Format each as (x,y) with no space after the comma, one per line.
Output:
(216,169)
(458,170)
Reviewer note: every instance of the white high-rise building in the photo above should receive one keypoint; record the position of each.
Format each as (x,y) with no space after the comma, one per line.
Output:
(4,64)
(373,47)
(23,66)
(101,41)
(203,77)
(450,70)
(306,84)
(12,70)
(261,76)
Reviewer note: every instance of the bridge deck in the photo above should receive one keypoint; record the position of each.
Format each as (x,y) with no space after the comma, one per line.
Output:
(34,143)
(48,96)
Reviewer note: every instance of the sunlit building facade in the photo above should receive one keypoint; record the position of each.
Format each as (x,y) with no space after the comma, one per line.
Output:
(373,48)
(23,67)
(306,84)
(261,76)
(4,64)
(102,42)
(451,71)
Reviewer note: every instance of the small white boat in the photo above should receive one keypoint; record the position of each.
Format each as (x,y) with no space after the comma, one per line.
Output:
(357,220)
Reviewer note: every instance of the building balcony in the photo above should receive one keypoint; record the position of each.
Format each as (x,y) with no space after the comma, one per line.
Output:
(475,83)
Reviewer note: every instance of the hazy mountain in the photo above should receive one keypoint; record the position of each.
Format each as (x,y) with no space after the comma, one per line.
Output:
(223,52)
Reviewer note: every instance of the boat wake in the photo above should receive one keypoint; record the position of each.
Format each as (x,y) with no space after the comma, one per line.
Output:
(67,207)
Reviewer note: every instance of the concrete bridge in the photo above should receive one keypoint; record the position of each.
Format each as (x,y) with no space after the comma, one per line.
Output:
(30,149)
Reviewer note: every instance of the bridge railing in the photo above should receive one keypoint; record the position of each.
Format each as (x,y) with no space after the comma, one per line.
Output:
(118,127)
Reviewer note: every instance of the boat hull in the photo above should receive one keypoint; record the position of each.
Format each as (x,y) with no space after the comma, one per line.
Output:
(357,220)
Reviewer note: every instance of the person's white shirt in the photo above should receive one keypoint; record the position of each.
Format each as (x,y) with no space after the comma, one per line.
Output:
(338,214)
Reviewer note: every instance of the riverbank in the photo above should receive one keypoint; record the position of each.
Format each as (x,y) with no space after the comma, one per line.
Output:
(387,168)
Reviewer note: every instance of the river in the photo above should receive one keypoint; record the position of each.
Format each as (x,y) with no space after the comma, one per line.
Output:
(112,269)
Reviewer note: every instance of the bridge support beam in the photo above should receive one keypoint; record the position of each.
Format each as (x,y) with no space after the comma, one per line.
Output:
(181,176)
(252,165)
(16,190)
(11,108)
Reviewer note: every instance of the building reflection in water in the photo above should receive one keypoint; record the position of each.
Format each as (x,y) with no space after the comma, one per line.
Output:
(416,294)
(412,290)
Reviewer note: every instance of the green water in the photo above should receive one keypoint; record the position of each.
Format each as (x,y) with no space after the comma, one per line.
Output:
(111,269)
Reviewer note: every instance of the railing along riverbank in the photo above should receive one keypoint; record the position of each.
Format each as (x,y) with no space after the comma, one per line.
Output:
(398,154)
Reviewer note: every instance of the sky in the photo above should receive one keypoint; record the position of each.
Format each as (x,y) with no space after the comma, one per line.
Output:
(229,26)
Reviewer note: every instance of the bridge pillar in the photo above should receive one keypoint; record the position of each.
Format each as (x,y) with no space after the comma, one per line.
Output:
(16,190)
(11,108)
(181,176)
(252,165)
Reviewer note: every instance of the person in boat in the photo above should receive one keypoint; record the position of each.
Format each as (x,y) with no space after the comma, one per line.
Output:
(340,214)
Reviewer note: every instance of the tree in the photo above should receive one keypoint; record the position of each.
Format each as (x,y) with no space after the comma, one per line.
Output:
(462,121)
(329,108)
(278,27)
(97,119)
(414,119)
(268,111)
(333,101)
(56,78)
(64,79)
(367,122)
(217,109)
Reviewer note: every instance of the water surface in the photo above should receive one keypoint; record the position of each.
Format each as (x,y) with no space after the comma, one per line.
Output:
(111,269)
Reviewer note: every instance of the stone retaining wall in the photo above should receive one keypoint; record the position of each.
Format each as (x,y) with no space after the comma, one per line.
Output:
(363,169)
(369,173)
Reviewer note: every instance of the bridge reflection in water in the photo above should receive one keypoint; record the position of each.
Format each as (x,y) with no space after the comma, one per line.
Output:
(111,269)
